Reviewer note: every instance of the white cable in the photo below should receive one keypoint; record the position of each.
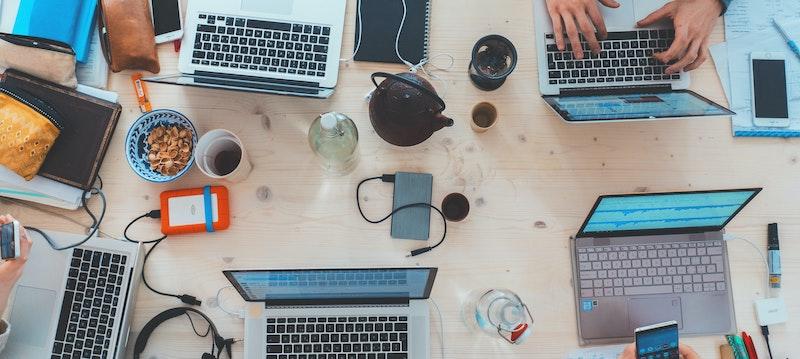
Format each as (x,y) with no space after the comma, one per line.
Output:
(358,43)
(441,325)
(760,254)
(240,314)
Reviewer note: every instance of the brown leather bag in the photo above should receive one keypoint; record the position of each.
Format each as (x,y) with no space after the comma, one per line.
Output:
(127,35)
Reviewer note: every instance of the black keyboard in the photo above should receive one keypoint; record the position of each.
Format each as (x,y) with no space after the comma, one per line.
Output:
(90,305)
(625,57)
(268,46)
(376,337)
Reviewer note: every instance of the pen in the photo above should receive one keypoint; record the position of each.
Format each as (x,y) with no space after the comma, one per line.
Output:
(748,344)
(774,256)
(789,41)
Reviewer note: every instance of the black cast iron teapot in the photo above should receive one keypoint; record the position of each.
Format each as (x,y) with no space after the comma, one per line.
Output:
(405,109)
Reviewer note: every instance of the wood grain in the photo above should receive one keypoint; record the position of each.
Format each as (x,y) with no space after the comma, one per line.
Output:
(531,180)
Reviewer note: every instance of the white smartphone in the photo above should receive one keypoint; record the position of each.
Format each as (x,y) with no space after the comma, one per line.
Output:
(769,92)
(167,20)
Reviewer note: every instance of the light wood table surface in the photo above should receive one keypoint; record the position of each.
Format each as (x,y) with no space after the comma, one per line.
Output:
(531,181)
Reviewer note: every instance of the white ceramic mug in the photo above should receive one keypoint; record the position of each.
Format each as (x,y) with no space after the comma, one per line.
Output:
(211,145)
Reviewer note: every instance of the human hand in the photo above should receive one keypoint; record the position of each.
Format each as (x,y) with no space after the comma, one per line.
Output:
(693,21)
(11,270)
(685,351)
(578,17)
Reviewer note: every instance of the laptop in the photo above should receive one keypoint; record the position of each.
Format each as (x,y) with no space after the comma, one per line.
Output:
(622,83)
(641,259)
(287,47)
(316,313)
(75,303)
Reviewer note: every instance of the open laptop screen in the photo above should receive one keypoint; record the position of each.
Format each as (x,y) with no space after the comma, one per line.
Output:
(332,285)
(664,213)
(599,106)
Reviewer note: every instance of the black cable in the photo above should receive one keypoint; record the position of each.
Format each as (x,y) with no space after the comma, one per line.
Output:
(191,321)
(95,221)
(156,214)
(390,179)
(765,333)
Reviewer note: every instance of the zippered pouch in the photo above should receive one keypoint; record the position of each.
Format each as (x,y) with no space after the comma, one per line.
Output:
(46,59)
(28,129)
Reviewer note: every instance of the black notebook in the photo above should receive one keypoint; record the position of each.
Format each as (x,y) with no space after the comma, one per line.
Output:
(381,19)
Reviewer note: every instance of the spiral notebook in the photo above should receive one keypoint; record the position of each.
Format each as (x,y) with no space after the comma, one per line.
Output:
(380,22)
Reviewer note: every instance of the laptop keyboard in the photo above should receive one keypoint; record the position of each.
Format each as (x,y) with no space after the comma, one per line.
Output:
(625,57)
(91,300)
(614,271)
(338,338)
(267,46)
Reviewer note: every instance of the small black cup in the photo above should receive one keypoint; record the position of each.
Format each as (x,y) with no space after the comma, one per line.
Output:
(493,59)
(455,207)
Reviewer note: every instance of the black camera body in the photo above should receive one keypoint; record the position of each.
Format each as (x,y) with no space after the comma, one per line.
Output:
(9,240)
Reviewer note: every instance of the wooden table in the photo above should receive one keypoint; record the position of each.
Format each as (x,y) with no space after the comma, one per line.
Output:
(531,181)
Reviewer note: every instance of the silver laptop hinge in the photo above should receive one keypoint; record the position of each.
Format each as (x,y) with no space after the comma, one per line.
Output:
(615,90)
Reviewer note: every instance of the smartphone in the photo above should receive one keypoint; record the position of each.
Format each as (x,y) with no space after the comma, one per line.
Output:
(658,341)
(167,20)
(9,240)
(770,100)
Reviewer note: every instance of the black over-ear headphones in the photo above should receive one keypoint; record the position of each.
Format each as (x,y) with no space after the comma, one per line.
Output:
(219,343)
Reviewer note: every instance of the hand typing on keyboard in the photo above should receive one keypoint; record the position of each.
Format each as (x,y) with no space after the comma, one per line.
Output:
(584,27)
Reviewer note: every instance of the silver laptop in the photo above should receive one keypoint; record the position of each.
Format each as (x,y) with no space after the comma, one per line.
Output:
(288,47)
(642,259)
(75,303)
(622,83)
(365,313)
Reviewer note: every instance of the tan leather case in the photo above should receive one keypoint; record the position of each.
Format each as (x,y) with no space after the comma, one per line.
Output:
(128,37)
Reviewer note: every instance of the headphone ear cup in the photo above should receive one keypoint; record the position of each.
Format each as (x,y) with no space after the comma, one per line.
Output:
(208,356)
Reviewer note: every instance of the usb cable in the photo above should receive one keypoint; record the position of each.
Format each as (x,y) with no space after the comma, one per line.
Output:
(388,178)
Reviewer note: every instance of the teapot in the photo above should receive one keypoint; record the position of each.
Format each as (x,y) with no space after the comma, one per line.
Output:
(405,109)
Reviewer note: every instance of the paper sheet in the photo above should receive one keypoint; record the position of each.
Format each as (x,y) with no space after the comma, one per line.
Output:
(604,352)
(738,59)
(94,72)
(8,14)
(747,16)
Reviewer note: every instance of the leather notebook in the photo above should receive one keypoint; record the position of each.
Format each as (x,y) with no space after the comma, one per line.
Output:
(380,20)
(88,124)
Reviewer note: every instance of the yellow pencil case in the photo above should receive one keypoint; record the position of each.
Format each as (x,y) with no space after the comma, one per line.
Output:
(28,130)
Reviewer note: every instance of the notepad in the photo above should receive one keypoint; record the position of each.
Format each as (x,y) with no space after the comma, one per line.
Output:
(380,21)
(68,21)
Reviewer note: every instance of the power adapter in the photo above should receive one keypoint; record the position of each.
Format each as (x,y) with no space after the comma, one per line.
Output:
(771,311)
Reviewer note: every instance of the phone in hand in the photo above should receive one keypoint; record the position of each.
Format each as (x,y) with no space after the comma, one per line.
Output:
(658,341)
(9,240)
(770,100)
(167,20)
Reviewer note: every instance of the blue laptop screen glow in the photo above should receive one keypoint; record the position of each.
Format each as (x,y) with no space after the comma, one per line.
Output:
(333,284)
(665,211)
(634,106)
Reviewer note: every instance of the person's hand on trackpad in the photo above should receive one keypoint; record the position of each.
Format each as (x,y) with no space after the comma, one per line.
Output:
(693,21)
(576,17)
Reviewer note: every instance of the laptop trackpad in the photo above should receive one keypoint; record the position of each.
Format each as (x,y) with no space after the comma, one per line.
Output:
(281,7)
(32,316)
(647,311)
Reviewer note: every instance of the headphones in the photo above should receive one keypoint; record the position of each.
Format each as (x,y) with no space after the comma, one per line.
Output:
(218,342)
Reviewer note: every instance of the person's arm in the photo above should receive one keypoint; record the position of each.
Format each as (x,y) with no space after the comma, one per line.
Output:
(10,272)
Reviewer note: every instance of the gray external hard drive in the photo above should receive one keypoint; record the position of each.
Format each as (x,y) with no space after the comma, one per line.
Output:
(414,222)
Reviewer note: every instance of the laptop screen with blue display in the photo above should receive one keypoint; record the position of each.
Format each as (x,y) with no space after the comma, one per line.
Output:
(633,106)
(333,284)
(664,213)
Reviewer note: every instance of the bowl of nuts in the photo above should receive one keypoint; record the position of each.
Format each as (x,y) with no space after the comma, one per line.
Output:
(160,145)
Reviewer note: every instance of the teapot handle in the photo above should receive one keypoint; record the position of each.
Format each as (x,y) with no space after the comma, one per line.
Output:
(412,84)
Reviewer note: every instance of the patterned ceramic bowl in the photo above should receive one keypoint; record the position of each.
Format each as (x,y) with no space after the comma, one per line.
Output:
(136,147)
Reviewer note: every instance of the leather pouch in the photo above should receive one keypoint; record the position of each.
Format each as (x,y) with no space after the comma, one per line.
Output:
(28,130)
(50,60)
(127,35)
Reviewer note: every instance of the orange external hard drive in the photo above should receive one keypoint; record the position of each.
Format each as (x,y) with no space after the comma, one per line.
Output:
(195,210)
